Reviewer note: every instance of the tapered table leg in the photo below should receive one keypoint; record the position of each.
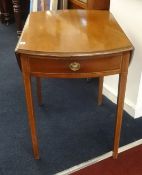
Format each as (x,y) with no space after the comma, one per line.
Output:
(100,89)
(39,93)
(29,100)
(120,103)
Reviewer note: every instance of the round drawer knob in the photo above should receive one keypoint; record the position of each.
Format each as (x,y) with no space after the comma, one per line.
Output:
(74,66)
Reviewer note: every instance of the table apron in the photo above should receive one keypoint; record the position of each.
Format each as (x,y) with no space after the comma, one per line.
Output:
(75,75)
(75,68)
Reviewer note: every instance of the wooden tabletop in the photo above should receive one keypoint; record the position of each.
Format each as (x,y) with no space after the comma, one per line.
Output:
(72,32)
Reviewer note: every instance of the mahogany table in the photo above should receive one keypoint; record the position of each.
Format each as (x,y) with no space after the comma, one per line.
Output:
(73,44)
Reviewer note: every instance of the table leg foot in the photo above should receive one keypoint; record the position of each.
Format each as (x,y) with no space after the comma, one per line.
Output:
(115,155)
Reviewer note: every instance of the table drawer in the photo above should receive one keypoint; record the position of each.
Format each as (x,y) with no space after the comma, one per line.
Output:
(50,65)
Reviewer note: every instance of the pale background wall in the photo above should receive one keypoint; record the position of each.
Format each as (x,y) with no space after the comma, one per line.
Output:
(129,15)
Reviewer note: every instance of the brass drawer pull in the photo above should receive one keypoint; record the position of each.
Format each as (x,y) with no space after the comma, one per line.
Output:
(74,66)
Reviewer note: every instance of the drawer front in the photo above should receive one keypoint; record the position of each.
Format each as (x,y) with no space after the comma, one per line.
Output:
(47,65)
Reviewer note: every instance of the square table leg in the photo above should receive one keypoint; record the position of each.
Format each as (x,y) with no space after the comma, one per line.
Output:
(29,100)
(120,102)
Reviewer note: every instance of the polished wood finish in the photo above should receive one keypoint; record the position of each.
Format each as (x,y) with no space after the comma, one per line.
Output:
(28,92)
(90,4)
(76,44)
(120,101)
(72,33)
(61,66)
